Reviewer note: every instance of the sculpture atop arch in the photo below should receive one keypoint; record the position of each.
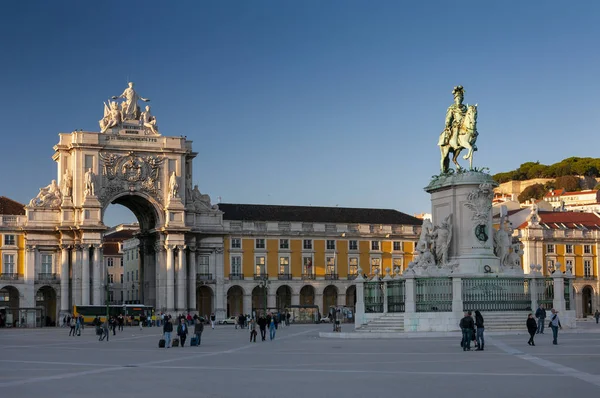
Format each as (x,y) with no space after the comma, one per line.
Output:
(128,117)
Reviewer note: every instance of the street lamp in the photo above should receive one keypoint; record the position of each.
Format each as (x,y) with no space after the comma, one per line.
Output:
(264,283)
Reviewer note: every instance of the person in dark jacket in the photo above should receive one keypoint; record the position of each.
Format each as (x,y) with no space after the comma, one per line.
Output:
(198,329)
(466,326)
(532,328)
(182,331)
(262,325)
(167,330)
(480,329)
(540,314)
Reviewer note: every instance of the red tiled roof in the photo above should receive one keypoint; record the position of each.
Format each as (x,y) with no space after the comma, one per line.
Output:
(570,220)
(11,207)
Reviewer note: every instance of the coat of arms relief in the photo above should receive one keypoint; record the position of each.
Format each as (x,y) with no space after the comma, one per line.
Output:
(131,173)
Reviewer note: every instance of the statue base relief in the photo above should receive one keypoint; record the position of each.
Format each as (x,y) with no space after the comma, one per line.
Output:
(467,196)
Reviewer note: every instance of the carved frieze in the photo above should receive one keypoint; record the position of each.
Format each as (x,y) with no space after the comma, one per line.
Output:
(130,173)
(479,201)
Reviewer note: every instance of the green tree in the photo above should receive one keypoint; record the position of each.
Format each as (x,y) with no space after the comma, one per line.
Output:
(535,191)
(568,183)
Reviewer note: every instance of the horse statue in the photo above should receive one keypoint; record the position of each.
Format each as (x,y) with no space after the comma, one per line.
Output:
(467,136)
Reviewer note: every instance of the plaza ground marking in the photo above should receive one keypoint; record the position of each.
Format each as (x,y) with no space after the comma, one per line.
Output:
(560,369)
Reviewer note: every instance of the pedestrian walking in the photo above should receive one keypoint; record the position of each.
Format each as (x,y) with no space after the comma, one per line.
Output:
(554,325)
(167,330)
(466,326)
(262,325)
(212,320)
(272,328)
(531,328)
(120,322)
(198,329)
(72,326)
(104,331)
(597,315)
(540,314)
(252,327)
(480,329)
(182,331)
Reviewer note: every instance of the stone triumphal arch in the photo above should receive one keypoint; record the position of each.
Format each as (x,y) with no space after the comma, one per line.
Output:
(129,162)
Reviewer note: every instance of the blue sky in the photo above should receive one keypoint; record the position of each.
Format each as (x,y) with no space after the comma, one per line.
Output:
(303,102)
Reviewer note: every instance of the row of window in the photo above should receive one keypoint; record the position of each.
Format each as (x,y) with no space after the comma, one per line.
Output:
(9,263)
(587,267)
(550,249)
(307,244)
(10,240)
(110,261)
(133,257)
(307,265)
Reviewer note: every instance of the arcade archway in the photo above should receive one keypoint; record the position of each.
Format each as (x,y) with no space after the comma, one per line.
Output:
(259,299)
(235,300)
(307,295)
(586,300)
(46,298)
(9,314)
(283,297)
(351,296)
(204,300)
(330,296)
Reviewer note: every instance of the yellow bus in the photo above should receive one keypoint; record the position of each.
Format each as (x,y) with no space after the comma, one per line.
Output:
(90,312)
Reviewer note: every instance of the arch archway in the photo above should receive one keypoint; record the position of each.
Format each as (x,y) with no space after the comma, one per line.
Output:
(284,297)
(586,300)
(204,300)
(307,295)
(235,300)
(46,298)
(259,299)
(9,316)
(330,296)
(351,297)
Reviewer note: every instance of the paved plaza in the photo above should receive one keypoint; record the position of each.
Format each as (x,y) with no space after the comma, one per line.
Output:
(49,363)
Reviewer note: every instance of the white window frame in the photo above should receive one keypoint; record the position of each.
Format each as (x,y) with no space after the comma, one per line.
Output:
(260,268)
(8,241)
(550,248)
(568,248)
(284,264)
(260,243)
(330,265)
(350,242)
(400,266)
(203,264)
(350,265)
(234,264)
(399,242)
(328,246)
(306,270)
(587,249)
(9,263)
(238,245)
(587,268)
(375,243)
(307,244)
(284,244)
(373,266)
(46,266)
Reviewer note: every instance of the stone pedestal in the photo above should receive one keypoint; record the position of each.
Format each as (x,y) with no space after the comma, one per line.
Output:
(467,196)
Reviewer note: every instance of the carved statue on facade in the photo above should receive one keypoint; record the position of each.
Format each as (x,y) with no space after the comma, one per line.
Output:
(90,189)
(533,219)
(173,186)
(513,259)
(67,184)
(131,110)
(502,242)
(443,236)
(149,121)
(460,131)
(112,116)
(202,201)
(49,196)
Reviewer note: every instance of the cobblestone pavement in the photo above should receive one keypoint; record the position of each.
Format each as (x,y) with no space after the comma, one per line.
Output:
(49,363)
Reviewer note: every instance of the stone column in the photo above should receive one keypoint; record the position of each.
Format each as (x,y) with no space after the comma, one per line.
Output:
(533,290)
(97,268)
(170,279)
(85,275)
(29,273)
(359,318)
(341,300)
(410,306)
(160,277)
(181,279)
(64,280)
(385,279)
(271,297)
(76,274)
(319,303)
(457,303)
(246,304)
(192,305)
(559,291)
(220,303)
(295,298)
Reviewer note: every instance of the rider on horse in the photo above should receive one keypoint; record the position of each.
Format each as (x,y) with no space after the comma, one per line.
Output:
(454,116)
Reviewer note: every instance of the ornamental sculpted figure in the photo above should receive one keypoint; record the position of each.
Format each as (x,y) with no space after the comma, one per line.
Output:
(131,110)
(49,196)
(460,131)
